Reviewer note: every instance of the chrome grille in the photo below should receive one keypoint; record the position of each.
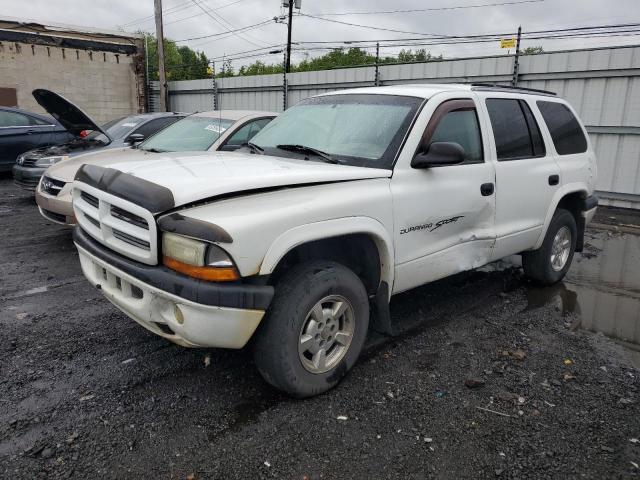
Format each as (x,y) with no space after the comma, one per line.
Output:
(51,185)
(123,226)
(29,162)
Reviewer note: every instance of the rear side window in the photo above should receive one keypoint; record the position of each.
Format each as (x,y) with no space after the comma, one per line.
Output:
(515,130)
(564,127)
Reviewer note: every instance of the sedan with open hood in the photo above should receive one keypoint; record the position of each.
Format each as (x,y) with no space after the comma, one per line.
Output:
(221,130)
(88,136)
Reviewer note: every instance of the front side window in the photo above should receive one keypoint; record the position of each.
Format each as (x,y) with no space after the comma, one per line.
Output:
(460,126)
(247,132)
(564,128)
(13,119)
(155,125)
(516,134)
(356,129)
(191,134)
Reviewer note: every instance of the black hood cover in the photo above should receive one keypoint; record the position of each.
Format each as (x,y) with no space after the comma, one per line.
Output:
(69,115)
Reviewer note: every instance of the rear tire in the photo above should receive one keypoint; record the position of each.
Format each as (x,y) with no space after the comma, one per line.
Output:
(314,329)
(549,263)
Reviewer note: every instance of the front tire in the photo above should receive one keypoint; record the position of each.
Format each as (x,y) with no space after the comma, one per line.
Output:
(549,263)
(314,330)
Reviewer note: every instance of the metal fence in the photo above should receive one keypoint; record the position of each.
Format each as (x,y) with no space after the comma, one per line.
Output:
(602,84)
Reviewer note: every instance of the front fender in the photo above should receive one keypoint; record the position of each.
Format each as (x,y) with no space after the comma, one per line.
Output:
(333,228)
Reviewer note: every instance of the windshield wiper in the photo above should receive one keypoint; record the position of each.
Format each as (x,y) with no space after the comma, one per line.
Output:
(255,148)
(304,149)
(153,150)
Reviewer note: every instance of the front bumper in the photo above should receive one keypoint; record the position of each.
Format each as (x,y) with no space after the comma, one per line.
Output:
(58,208)
(189,312)
(27,177)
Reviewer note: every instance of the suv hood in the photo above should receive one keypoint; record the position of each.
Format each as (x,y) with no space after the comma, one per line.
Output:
(199,176)
(68,114)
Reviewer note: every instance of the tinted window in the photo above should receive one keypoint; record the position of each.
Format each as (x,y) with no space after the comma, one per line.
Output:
(155,125)
(510,129)
(461,127)
(564,127)
(13,119)
(247,132)
(536,138)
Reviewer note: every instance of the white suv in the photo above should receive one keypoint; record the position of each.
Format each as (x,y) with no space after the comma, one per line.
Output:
(299,239)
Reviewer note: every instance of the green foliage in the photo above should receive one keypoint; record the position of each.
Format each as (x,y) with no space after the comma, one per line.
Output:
(338,58)
(532,50)
(181,63)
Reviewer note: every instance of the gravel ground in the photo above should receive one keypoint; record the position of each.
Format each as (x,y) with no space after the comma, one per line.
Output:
(480,384)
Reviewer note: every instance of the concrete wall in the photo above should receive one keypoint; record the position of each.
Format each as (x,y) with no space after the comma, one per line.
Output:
(602,84)
(103,84)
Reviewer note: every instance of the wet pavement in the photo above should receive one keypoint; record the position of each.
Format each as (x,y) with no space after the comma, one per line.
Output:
(492,377)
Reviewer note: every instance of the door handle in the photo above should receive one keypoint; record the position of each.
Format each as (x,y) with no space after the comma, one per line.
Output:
(554,179)
(486,189)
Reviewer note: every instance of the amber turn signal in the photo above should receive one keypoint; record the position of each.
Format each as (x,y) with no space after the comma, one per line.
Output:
(211,274)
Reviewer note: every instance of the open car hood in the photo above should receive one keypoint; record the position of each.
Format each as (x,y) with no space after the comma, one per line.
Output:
(68,114)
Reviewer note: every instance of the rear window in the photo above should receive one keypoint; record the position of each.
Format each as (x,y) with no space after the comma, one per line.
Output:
(564,127)
(515,130)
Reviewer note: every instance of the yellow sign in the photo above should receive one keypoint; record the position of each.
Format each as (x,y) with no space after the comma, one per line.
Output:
(508,43)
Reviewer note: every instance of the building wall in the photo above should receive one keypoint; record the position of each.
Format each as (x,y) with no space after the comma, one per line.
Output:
(602,84)
(103,84)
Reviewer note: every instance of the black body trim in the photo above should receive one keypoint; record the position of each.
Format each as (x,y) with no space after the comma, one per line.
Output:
(589,203)
(191,227)
(149,195)
(230,295)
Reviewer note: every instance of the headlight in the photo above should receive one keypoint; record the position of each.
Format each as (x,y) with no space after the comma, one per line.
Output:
(48,161)
(20,159)
(197,259)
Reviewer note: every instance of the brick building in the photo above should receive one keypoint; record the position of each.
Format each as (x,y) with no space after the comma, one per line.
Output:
(100,71)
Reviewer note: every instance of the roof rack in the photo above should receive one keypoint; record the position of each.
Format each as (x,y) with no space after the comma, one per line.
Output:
(509,88)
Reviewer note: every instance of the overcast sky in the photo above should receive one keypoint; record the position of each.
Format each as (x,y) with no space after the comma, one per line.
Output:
(184,19)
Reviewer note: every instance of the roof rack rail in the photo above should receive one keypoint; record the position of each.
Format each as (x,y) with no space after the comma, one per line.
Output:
(509,88)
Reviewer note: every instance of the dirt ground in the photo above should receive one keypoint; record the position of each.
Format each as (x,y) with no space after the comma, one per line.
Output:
(486,381)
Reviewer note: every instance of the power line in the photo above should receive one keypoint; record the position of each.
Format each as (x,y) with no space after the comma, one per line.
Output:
(229,32)
(435,9)
(200,13)
(211,14)
(176,8)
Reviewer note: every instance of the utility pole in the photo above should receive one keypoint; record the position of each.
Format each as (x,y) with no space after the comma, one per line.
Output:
(516,65)
(160,42)
(377,77)
(289,25)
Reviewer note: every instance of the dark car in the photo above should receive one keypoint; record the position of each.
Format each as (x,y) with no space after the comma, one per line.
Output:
(118,133)
(21,131)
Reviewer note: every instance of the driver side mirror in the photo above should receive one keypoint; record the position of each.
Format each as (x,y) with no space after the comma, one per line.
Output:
(439,154)
(135,138)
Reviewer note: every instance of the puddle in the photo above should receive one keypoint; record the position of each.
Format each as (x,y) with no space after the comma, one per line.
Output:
(602,289)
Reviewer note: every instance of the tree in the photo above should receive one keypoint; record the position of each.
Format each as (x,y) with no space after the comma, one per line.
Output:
(337,58)
(533,50)
(181,63)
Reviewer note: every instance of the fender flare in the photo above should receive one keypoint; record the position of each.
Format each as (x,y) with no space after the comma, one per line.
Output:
(296,236)
(558,196)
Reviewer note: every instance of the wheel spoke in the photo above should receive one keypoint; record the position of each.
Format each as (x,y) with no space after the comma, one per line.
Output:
(317,312)
(320,359)
(343,338)
(306,341)
(339,309)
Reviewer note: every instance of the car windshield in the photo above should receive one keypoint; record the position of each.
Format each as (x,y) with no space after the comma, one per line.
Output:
(116,129)
(355,129)
(191,134)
